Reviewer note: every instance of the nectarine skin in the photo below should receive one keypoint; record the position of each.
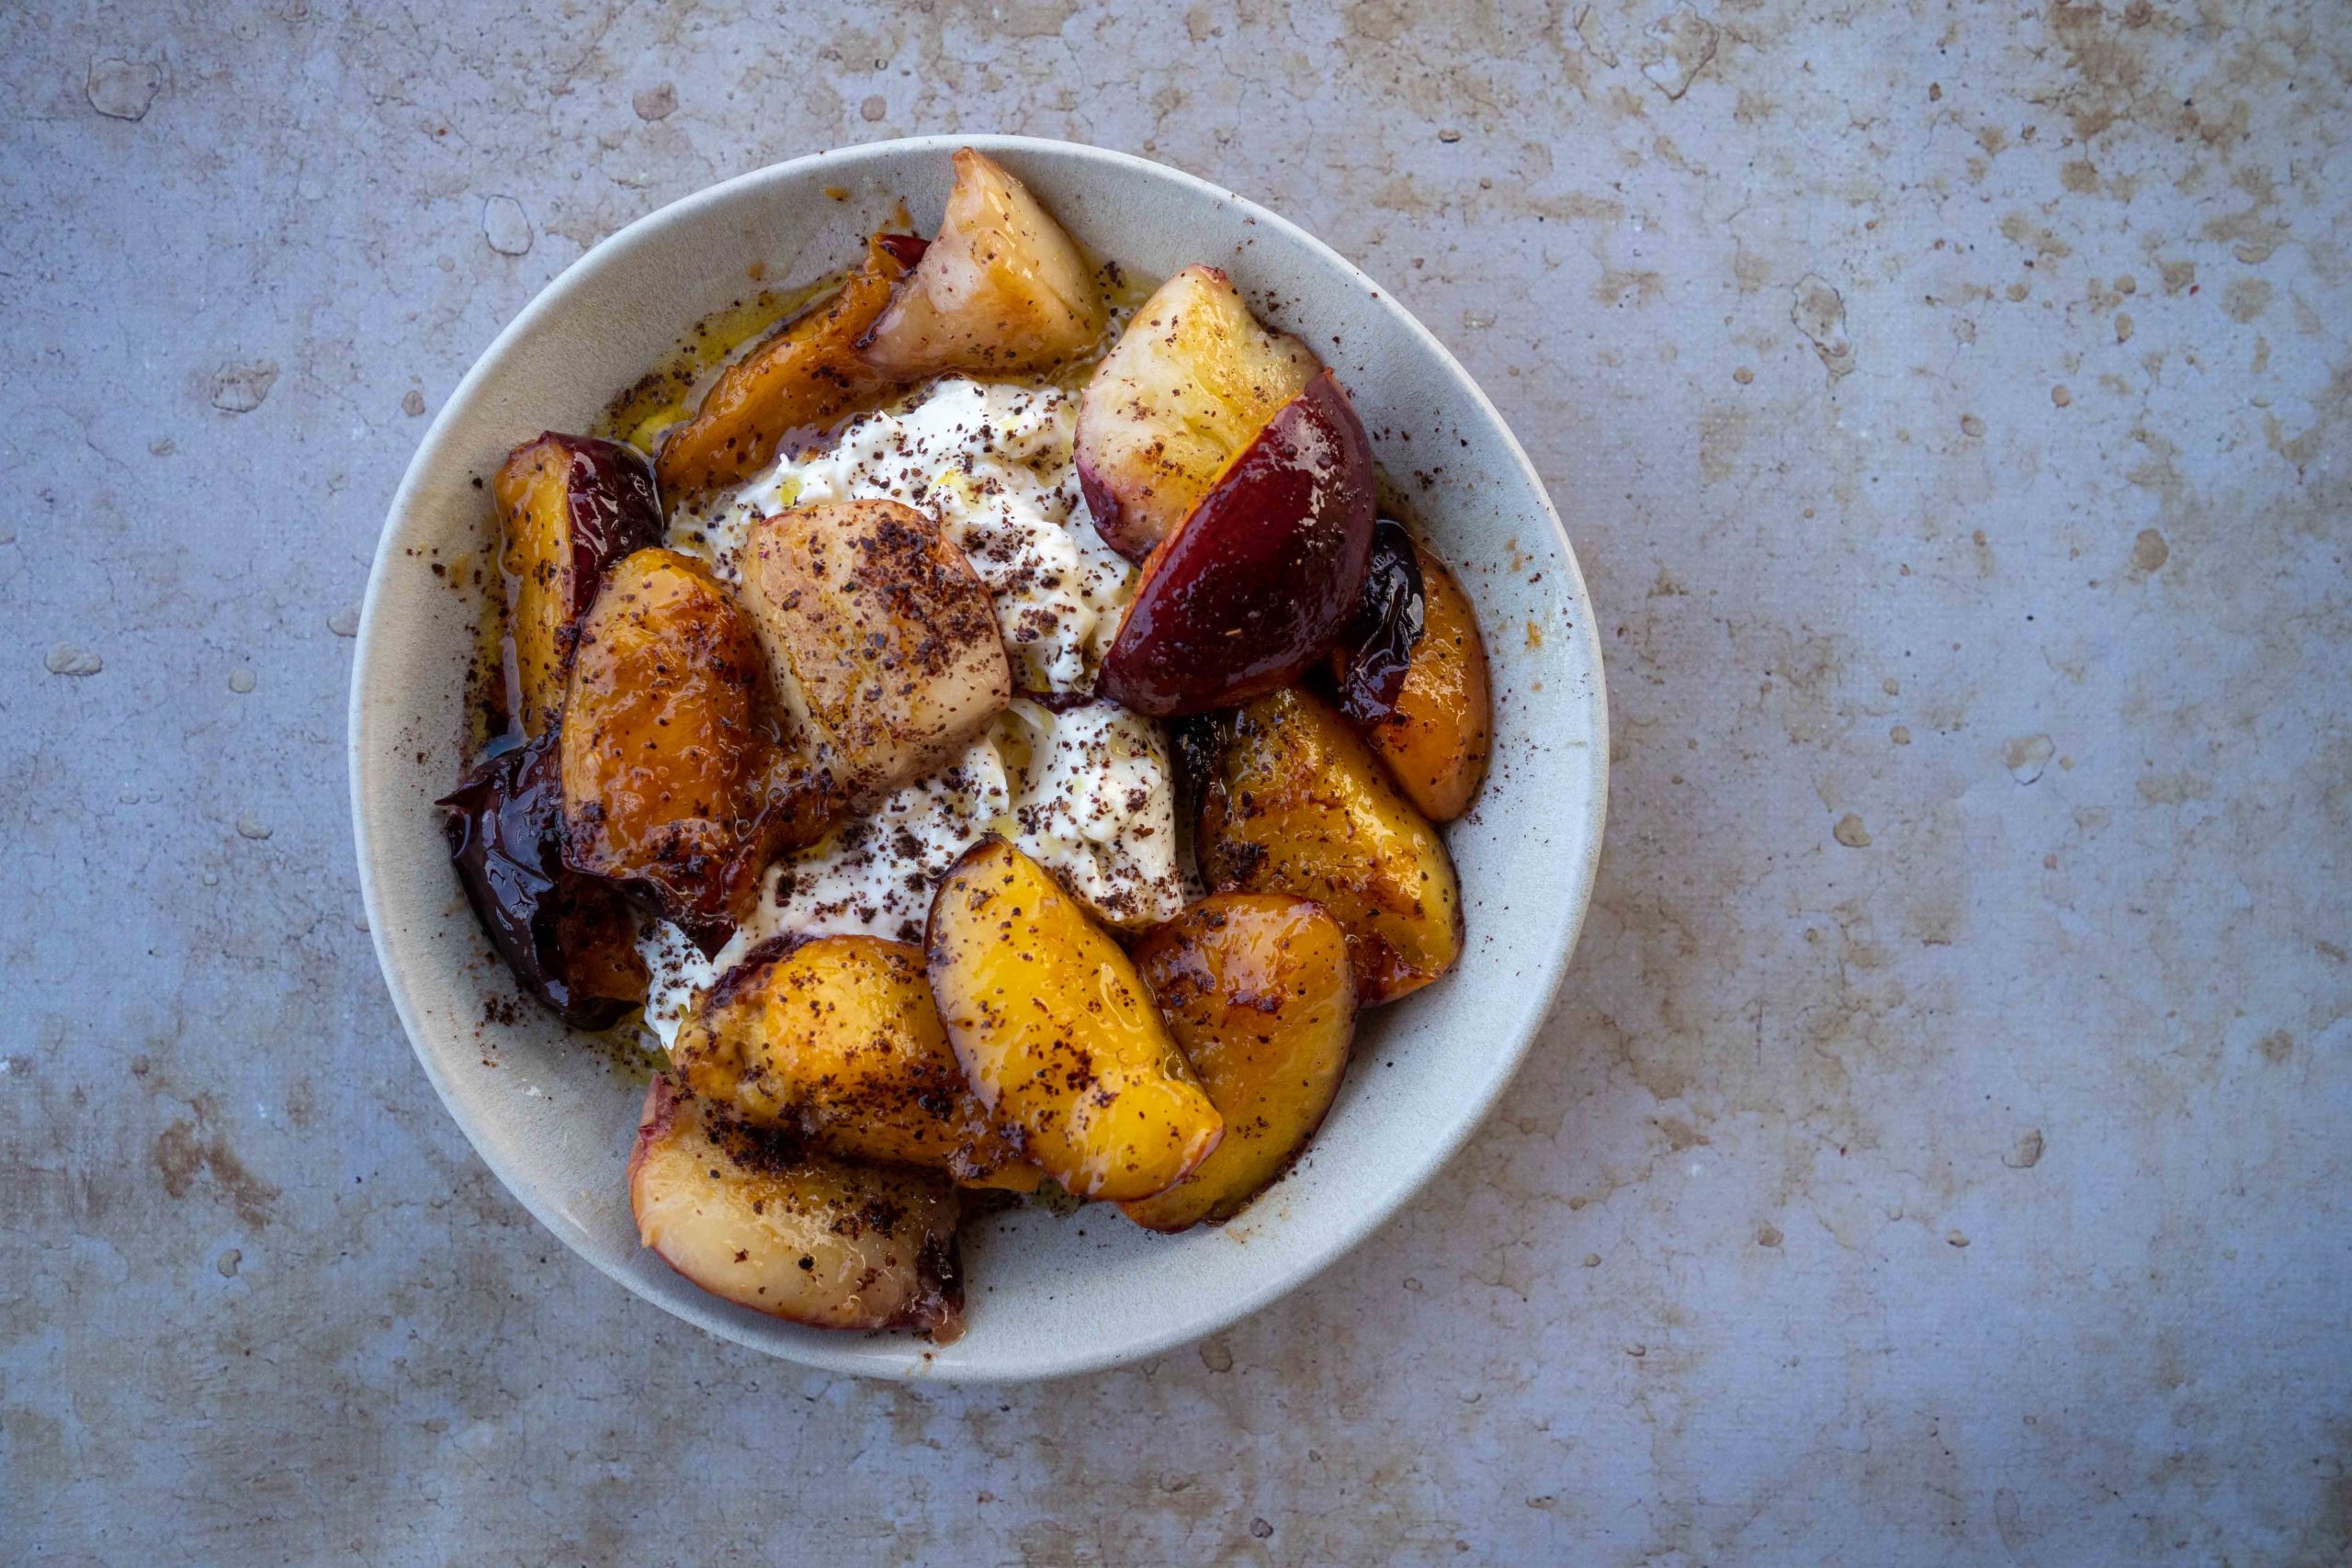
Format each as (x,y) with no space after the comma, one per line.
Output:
(569,506)
(1263,576)
(1432,719)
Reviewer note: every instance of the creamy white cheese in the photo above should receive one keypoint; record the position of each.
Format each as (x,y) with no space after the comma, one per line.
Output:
(874,874)
(991,461)
(676,971)
(1094,802)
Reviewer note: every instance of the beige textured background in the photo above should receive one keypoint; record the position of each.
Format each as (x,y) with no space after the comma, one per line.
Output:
(1938,1155)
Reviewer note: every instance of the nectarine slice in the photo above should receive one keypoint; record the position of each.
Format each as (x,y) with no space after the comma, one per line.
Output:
(803,378)
(835,1038)
(1058,1034)
(568,507)
(1294,801)
(1191,382)
(755,1220)
(879,636)
(1258,989)
(1001,290)
(669,758)
(1430,713)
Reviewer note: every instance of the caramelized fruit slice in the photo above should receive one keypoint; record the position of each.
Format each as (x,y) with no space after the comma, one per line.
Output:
(1432,719)
(670,765)
(1191,381)
(1002,288)
(803,378)
(879,636)
(1258,582)
(569,939)
(1369,665)
(835,1038)
(1296,803)
(568,507)
(1258,990)
(1056,1033)
(750,1218)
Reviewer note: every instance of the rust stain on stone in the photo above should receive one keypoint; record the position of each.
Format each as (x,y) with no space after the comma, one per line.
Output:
(189,1151)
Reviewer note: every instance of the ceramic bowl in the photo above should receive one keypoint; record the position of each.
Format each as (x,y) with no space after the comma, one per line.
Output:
(554,1119)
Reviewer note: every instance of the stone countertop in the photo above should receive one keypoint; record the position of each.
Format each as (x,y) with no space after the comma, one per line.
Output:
(1939,1152)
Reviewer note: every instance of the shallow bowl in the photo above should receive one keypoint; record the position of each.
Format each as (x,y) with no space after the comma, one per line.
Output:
(554,1119)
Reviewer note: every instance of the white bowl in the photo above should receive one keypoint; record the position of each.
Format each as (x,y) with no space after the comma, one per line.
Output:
(555,1121)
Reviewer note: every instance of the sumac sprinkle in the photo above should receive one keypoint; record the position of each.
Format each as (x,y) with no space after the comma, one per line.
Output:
(1377,649)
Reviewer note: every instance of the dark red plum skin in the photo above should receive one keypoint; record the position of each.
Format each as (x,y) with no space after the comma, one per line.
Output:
(1263,577)
(1376,654)
(614,507)
(905,249)
(504,824)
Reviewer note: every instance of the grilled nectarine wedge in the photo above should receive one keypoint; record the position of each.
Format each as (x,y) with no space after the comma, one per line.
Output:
(1002,288)
(1258,990)
(1058,1034)
(1421,700)
(803,378)
(1263,576)
(835,1038)
(878,634)
(669,763)
(752,1218)
(568,507)
(1296,803)
(1191,382)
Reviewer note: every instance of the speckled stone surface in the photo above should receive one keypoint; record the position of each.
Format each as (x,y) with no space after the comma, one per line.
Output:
(1939,1153)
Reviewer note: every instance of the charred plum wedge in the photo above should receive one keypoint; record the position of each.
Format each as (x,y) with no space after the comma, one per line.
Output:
(1262,578)
(569,939)
(1001,290)
(1430,718)
(803,378)
(675,783)
(1190,384)
(569,506)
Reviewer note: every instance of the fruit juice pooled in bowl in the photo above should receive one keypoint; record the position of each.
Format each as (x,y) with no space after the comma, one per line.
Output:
(991,742)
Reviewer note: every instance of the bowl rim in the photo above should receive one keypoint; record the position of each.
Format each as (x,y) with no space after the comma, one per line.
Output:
(1313,1254)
